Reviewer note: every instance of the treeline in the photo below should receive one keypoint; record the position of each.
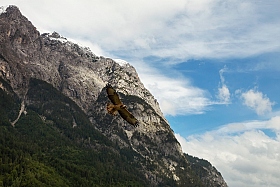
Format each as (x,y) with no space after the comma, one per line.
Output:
(41,158)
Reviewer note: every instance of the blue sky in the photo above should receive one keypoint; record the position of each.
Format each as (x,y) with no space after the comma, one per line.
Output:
(238,75)
(213,65)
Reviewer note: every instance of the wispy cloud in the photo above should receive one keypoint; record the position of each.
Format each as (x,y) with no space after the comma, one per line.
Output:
(243,153)
(223,91)
(185,29)
(258,102)
(175,95)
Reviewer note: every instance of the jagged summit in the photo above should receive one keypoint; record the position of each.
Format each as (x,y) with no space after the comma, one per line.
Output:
(3,9)
(52,76)
(10,10)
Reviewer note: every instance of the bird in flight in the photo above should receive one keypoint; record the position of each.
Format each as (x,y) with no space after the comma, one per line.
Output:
(118,107)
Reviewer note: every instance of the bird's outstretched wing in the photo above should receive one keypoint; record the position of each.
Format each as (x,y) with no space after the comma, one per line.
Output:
(127,116)
(112,95)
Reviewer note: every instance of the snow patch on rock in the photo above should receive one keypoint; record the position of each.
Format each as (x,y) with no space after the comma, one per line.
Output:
(3,9)
(121,62)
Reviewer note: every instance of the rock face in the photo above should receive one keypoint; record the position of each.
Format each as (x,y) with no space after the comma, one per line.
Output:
(81,76)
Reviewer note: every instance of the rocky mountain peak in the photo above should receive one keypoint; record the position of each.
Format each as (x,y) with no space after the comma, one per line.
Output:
(11,11)
(81,76)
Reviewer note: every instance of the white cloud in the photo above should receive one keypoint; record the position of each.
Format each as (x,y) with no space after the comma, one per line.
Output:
(274,123)
(224,94)
(242,152)
(185,29)
(223,91)
(257,101)
(176,96)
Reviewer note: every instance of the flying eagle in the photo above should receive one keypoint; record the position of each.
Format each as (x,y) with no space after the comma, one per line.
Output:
(118,106)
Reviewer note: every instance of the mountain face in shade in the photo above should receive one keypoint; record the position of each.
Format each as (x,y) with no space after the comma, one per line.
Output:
(54,120)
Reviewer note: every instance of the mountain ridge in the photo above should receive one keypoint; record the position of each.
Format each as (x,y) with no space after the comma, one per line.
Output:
(29,59)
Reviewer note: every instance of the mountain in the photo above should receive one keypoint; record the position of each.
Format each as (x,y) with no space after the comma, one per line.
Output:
(55,130)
